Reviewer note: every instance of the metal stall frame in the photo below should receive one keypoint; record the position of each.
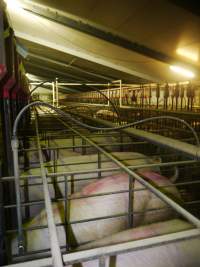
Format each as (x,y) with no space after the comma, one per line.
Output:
(101,253)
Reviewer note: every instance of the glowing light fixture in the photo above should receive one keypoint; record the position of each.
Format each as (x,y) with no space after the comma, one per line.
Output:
(182,71)
(13,4)
(191,54)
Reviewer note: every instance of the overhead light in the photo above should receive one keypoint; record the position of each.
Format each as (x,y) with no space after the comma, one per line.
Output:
(188,53)
(182,71)
(13,4)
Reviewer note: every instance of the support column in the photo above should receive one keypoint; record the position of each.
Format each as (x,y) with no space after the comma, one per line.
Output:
(56,92)
(53,94)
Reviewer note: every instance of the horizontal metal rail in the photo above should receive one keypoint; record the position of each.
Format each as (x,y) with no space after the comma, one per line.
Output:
(86,146)
(96,253)
(134,167)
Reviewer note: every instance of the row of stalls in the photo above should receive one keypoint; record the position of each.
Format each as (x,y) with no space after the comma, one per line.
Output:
(167,96)
(14,94)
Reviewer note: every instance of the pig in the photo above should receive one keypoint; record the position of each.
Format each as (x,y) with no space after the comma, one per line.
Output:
(36,192)
(100,206)
(106,114)
(104,205)
(182,253)
(33,155)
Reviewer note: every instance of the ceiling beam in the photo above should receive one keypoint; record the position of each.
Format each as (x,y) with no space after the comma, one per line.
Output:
(69,65)
(90,57)
(100,32)
(58,72)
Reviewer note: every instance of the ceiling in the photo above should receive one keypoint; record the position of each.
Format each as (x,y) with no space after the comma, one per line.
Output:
(101,41)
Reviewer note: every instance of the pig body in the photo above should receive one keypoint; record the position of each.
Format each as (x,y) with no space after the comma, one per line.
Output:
(36,192)
(114,204)
(99,206)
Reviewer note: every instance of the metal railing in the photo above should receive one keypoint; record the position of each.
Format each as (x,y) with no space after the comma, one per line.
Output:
(100,253)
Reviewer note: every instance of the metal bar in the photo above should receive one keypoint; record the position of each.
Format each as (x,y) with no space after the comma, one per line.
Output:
(21,243)
(80,146)
(83,146)
(73,142)
(130,202)
(66,212)
(164,164)
(53,93)
(55,249)
(38,202)
(56,87)
(102,261)
(88,162)
(99,164)
(125,214)
(134,167)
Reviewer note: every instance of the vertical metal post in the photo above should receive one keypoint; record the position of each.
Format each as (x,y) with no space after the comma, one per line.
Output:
(72,184)
(56,87)
(55,170)
(120,93)
(83,146)
(53,93)
(15,145)
(48,145)
(130,202)
(121,141)
(26,181)
(73,142)
(57,153)
(108,95)
(2,223)
(102,261)
(66,213)
(99,163)
(7,164)
(26,198)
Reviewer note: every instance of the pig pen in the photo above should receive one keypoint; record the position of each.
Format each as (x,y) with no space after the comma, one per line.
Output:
(50,163)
